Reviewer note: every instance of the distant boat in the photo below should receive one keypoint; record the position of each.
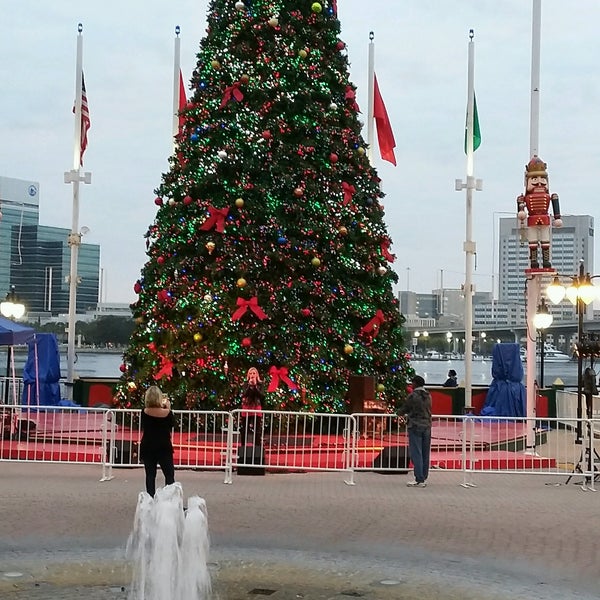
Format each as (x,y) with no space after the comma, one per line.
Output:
(551,354)
(434,355)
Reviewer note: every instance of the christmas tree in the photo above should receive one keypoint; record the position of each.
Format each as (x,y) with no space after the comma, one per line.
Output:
(269,247)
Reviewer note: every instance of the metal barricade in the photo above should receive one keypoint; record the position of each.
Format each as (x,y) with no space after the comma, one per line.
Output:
(293,441)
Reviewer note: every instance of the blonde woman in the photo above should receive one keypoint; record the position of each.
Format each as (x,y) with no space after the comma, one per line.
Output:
(156,447)
(251,416)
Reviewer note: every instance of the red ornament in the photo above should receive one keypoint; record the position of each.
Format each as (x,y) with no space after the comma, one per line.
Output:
(333,157)
(305,312)
(188,200)
(298,192)
(340,45)
(266,134)
(122,368)
(158,201)
(246,342)
(160,260)
(137,287)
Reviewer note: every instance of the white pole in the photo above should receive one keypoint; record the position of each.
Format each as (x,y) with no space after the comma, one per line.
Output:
(371,90)
(534,124)
(75,177)
(534,283)
(176,70)
(469,243)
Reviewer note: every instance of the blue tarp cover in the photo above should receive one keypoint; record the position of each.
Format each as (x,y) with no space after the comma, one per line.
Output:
(47,371)
(12,334)
(506,395)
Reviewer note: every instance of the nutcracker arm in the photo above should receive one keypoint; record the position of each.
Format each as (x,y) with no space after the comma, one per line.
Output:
(555,206)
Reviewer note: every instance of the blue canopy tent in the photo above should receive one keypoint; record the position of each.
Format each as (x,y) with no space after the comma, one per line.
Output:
(506,395)
(12,334)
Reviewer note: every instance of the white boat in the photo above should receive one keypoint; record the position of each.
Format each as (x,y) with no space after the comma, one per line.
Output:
(551,354)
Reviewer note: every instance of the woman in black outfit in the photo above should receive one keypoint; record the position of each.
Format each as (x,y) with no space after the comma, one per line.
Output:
(252,398)
(156,447)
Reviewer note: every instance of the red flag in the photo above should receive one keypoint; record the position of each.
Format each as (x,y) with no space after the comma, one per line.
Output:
(385,135)
(182,101)
(85,120)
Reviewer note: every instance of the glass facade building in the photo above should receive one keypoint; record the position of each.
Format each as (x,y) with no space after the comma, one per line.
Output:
(36,258)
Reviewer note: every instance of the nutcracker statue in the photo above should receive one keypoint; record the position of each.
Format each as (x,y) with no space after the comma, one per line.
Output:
(532,212)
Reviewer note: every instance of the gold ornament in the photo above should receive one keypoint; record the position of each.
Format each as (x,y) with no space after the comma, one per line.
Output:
(197,337)
(210,246)
(348,349)
(273,21)
(239,202)
(315,262)
(343,230)
(215,64)
(380,387)
(241,282)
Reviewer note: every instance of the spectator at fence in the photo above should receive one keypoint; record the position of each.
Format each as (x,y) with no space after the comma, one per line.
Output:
(252,397)
(156,446)
(452,380)
(417,413)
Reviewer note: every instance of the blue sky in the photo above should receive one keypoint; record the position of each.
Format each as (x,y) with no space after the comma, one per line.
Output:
(421,64)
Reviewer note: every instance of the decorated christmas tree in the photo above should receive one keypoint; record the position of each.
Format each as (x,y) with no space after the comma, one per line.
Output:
(269,246)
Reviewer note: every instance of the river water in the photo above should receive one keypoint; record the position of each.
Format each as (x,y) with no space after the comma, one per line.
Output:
(436,371)
(100,364)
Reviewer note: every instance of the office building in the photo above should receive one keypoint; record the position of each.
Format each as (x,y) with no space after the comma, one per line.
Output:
(36,259)
(571,243)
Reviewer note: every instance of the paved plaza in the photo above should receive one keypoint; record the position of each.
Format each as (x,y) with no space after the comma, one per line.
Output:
(311,536)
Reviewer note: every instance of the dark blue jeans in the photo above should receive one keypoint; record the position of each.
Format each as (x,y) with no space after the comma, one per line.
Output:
(419,446)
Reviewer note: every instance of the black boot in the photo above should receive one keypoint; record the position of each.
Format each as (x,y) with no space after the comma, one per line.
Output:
(546,258)
(533,252)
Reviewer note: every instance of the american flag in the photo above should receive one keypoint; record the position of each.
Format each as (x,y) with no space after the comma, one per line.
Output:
(85,119)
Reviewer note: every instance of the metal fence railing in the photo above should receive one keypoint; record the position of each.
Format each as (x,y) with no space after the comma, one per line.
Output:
(253,442)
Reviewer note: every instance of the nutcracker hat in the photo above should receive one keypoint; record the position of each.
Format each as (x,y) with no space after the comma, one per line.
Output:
(536,167)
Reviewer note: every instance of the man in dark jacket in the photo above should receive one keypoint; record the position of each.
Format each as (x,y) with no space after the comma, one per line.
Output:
(417,414)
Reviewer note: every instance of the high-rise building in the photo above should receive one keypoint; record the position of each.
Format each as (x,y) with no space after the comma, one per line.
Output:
(36,258)
(571,244)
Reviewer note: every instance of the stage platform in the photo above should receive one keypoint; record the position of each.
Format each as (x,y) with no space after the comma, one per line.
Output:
(78,437)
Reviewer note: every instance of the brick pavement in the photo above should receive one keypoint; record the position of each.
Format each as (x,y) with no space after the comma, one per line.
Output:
(310,535)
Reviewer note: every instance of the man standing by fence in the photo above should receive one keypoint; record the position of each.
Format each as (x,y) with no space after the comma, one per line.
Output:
(416,412)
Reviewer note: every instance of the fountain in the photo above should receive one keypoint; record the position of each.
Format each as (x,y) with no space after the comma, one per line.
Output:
(168,547)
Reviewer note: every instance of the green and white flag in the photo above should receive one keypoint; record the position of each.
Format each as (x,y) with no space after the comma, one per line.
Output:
(476,131)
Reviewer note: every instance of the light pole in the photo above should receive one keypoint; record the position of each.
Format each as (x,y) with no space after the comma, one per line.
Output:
(415,340)
(541,321)
(580,293)
(482,337)
(11,308)
(449,340)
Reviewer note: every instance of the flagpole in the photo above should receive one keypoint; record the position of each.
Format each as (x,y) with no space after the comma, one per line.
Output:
(469,245)
(370,87)
(74,176)
(176,72)
(534,281)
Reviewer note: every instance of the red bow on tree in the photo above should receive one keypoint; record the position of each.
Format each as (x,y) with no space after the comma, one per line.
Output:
(351,95)
(280,374)
(166,369)
(349,191)
(244,305)
(385,245)
(232,91)
(216,219)
(374,324)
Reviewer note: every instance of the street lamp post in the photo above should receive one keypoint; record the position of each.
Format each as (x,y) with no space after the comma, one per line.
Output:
(482,337)
(541,321)
(11,308)
(449,339)
(580,293)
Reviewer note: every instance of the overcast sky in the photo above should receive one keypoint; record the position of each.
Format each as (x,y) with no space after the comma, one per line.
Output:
(421,63)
